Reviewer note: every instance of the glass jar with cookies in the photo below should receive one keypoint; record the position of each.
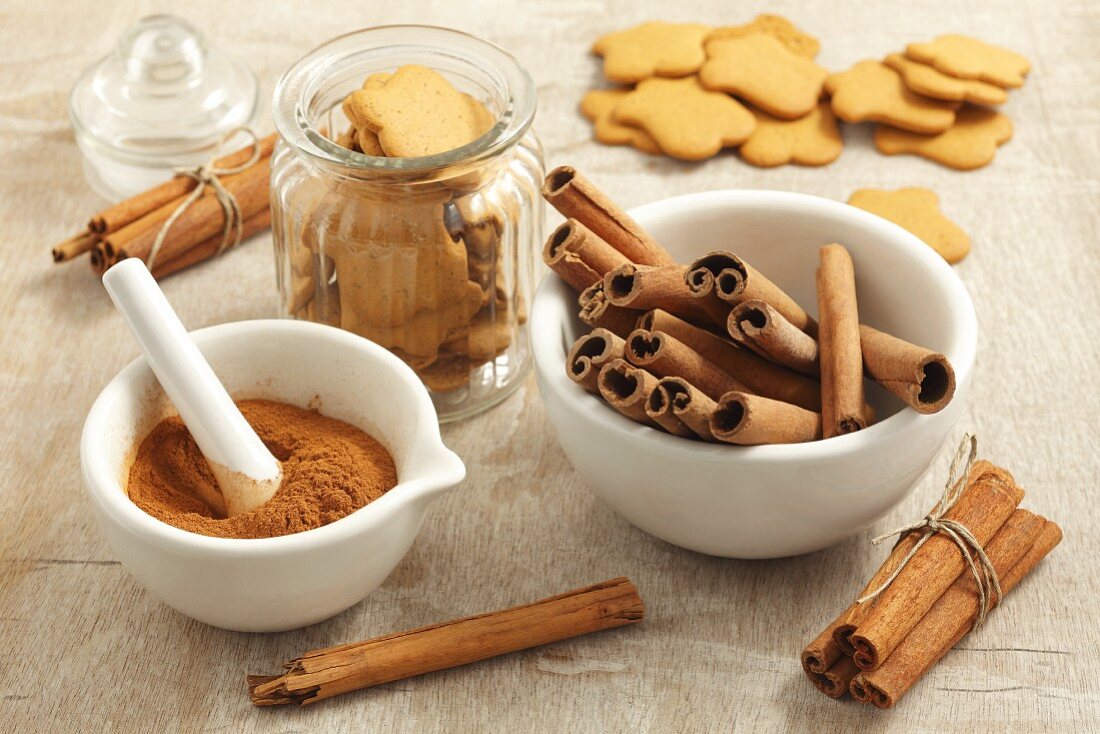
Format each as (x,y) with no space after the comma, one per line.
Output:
(405,203)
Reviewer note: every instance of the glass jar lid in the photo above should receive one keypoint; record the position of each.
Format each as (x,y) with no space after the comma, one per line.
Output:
(162,96)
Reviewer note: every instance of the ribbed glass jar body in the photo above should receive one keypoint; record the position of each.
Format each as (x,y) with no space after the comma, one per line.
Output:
(435,257)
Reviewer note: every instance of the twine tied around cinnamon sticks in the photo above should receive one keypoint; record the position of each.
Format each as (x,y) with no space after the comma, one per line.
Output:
(208,175)
(989,586)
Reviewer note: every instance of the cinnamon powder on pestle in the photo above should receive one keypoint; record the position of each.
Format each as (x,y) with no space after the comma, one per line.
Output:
(330,469)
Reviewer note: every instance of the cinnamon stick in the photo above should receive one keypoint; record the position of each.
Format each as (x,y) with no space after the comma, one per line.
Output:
(572,194)
(736,281)
(838,341)
(74,246)
(702,281)
(690,405)
(759,327)
(989,499)
(665,287)
(626,388)
(579,256)
(597,311)
(665,356)
(589,354)
(201,220)
(119,215)
(758,375)
(322,674)
(751,420)
(923,379)
(832,644)
(1014,551)
(659,410)
(209,247)
(837,679)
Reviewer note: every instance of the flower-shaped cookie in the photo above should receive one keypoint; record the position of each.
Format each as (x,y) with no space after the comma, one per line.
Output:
(969,58)
(970,143)
(687,120)
(870,90)
(416,112)
(762,71)
(652,49)
(917,210)
(813,140)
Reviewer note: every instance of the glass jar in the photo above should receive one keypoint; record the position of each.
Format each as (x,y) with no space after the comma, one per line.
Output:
(432,257)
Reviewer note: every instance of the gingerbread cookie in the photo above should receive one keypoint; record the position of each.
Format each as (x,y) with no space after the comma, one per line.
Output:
(968,58)
(813,140)
(416,112)
(780,28)
(970,143)
(598,106)
(652,49)
(927,80)
(365,141)
(870,90)
(917,210)
(764,72)
(687,120)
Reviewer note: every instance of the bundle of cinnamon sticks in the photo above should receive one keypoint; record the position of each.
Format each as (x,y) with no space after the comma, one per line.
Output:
(713,350)
(130,228)
(877,650)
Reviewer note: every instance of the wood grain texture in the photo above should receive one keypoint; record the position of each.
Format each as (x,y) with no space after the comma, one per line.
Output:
(83,648)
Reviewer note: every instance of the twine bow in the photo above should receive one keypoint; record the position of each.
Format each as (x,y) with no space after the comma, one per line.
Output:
(207,175)
(989,586)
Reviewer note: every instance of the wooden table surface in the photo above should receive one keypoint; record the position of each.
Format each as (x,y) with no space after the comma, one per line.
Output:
(84,648)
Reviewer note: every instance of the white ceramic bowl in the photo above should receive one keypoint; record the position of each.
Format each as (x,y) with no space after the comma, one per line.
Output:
(278,583)
(767,501)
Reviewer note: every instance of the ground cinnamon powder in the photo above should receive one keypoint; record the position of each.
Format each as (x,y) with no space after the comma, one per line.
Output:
(330,469)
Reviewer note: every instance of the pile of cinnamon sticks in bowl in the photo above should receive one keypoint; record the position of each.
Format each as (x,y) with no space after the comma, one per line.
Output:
(670,350)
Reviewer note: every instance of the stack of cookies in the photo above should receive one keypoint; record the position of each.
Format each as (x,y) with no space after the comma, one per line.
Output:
(691,90)
(935,100)
(698,89)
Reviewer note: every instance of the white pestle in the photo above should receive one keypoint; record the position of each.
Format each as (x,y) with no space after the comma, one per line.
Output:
(246,472)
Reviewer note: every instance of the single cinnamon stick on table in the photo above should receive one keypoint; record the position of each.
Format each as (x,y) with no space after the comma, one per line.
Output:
(666,356)
(987,502)
(597,311)
(322,674)
(1014,551)
(579,256)
(838,341)
(759,327)
(665,287)
(201,220)
(209,247)
(923,379)
(572,194)
(626,388)
(119,215)
(758,375)
(751,420)
(690,405)
(589,354)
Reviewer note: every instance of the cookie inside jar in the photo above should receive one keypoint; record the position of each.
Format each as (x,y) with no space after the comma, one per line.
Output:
(420,236)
